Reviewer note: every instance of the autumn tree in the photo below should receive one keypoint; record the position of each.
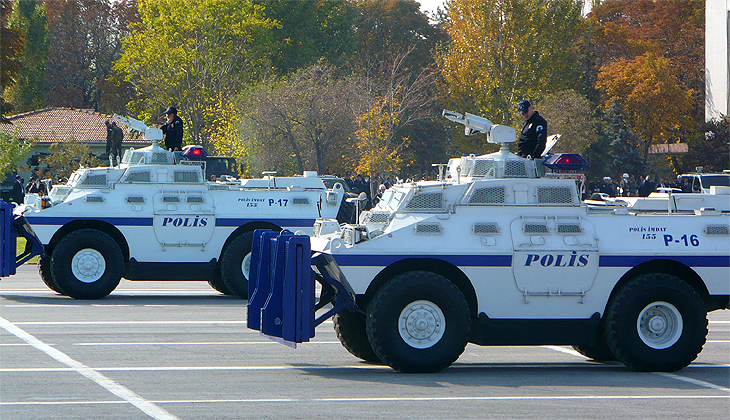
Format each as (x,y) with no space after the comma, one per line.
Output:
(28,91)
(84,43)
(188,52)
(11,45)
(570,114)
(502,51)
(655,104)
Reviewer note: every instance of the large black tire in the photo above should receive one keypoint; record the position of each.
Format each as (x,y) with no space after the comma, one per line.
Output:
(599,352)
(218,285)
(418,322)
(236,254)
(351,331)
(44,270)
(656,322)
(87,264)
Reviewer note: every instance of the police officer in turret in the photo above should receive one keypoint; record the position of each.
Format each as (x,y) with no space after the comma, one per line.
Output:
(173,129)
(534,131)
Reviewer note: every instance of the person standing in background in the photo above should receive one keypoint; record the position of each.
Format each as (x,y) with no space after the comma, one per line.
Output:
(172,129)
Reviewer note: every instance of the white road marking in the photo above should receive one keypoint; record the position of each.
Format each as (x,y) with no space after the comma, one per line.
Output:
(211,343)
(126,322)
(382,399)
(564,350)
(119,390)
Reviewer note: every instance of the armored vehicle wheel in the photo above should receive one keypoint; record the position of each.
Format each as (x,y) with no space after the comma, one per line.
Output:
(418,322)
(350,330)
(656,322)
(44,269)
(87,264)
(217,283)
(235,265)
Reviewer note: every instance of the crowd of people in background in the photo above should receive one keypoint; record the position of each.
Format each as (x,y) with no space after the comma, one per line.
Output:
(630,186)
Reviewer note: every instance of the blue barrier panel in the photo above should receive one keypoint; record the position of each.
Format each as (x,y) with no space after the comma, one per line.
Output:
(272,310)
(7,240)
(297,291)
(259,282)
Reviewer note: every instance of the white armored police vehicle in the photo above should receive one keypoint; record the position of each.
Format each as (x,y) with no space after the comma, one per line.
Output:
(155,217)
(495,254)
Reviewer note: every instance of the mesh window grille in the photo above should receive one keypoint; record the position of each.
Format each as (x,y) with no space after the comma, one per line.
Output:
(569,228)
(377,217)
(170,199)
(195,199)
(535,228)
(98,180)
(427,201)
(135,199)
(140,176)
(300,201)
(515,169)
(429,228)
(94,199)
(186,176)
(485,228)
(554,195)
(490,195)
(159,158)
(482,167)
(717,230)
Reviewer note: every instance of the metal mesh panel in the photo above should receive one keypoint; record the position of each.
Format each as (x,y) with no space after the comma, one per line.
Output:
(377,217)
(139,176)
(427,201)
(135,199)
(98,180)
(569,228)
(485,228)
(489,195)
(554,195)
(159,158)
(717,230)
(94,199)
(482,167)
(428,228)
(196,199)
(300,200)
(533,228)
(515,169)
(170,199)
(186,176)
(60,191)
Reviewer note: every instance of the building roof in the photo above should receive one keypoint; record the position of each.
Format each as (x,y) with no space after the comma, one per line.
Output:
(57,125)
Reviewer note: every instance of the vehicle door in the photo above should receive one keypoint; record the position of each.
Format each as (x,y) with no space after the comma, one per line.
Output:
(183,218)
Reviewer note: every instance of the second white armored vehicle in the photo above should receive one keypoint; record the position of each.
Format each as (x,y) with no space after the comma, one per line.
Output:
(496,253)
(155,217)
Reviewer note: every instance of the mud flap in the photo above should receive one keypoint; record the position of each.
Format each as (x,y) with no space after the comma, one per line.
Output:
(282,302)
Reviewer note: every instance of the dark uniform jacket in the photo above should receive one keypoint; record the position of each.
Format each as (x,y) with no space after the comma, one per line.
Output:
(533,136)
(173,133)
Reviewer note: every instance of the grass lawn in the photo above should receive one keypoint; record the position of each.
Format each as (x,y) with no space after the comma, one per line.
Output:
(20,247)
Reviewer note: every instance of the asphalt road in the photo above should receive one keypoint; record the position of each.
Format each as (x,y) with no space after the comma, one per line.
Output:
(171,350)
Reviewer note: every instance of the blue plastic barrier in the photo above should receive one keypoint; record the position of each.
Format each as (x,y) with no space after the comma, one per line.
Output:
(8,240)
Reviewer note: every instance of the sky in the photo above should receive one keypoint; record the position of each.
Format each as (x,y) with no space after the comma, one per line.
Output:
(430,5)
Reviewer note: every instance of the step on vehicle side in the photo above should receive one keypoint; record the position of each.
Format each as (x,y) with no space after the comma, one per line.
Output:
(502,251)
(155,217)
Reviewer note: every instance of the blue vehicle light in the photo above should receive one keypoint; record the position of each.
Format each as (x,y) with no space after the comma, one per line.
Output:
(194,152)
(565,162)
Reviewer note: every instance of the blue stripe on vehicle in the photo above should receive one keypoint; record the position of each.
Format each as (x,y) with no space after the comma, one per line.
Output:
(116,221)
(690,260)
(279,222)
(458,260)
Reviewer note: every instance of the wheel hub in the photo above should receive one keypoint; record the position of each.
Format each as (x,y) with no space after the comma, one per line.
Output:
(246,266)
(88,265)
(421,324)
(659,325)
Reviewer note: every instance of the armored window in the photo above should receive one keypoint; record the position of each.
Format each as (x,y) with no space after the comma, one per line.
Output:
(554,195)
(135,199)
(94,180)
(186,177)
(536,228)
(485,228)
(94,199)
(569,228)
(515,169)
(489,195)
(428,228)
(717,230)
(482,167)
(300,201)
(426,201)
(139,176)
(170,199)
(195,199)
(159,158)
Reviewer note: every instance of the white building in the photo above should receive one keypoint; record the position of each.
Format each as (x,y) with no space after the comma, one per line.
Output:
(717,63)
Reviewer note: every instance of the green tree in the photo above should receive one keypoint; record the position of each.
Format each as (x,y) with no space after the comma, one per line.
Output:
(570,114)
(69,156)
(502,51)
(188,52)
(11,45)
(13,150)
(28,91)
(709,148)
